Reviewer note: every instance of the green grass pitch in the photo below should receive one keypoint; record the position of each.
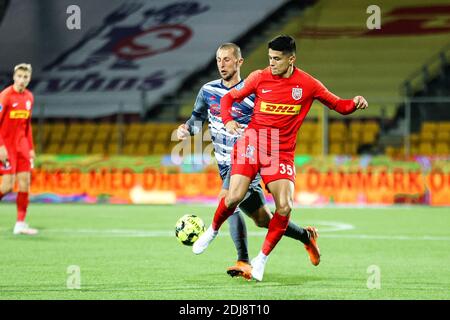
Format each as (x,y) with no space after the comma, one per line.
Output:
(130,252)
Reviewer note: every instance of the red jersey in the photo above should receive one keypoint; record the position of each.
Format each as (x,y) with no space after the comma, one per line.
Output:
(15,120)
(282,103)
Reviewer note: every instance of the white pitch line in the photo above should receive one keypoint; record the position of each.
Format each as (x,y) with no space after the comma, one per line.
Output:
(165,233)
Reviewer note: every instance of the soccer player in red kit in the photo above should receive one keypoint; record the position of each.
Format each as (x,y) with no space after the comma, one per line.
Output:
(16,142)
(284,95)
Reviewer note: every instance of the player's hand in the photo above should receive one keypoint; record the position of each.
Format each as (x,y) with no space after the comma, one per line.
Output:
(360,102)
(183,132)
(3,154)
(233,127)
(32,157)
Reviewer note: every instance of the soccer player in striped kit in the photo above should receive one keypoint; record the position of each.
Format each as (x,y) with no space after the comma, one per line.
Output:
(207,106)
(283,96)
(16,142)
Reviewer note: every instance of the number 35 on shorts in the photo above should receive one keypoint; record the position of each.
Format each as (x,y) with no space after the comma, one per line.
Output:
(287,169)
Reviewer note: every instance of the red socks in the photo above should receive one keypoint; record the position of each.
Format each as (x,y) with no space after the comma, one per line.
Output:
(1,195)
(222,214)
(277,227)
(22,205)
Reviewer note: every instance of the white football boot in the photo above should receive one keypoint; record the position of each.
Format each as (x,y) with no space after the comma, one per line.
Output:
(258,264)
(23,228)
(205,239)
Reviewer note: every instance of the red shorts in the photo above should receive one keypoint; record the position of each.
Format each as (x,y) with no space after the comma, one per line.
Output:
(248,160)
(17,162)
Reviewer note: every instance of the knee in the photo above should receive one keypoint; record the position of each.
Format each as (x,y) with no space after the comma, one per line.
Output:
(285,209)
(23,186)
(233,199)
(6,189)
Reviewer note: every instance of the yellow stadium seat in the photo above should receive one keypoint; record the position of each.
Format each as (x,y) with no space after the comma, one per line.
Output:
(389,151)
(160,148)
(443,136)
(336,148)
(112,149)
(444,126)
(355,125)
(105,126)
(414,138)
(316,149)
(75,127)
(351,148)
(72,137)
(414,151)
(302,148)
(59,128)
(67,148)
(132,136)
(305,135)
(90,126)
(162,137)
(52,148)
(135,127)
(143,149)
(371,125)
(81,148)
(355,135)
(129,149)
(337,136)
(337,126)
(426,149)
(368,137)
(147,137)
(98,148)
(426,136)
(429,126)
(56,138)
(442,149)
(86,136)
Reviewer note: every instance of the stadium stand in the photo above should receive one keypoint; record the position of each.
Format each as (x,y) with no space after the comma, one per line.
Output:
(334,46)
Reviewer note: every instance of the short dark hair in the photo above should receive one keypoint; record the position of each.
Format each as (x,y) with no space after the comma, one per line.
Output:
(283,43)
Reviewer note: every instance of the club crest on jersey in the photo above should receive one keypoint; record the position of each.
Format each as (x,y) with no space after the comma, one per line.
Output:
(28,105)
(1,108)
(297,93)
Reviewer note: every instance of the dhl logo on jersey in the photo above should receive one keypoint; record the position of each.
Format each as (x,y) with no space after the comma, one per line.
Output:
(19,114)
(286,109)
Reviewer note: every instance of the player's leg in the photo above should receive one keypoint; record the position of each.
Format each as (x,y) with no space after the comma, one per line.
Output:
(254,206)
(7,185)
(238,231)
(23,181)
(8,170)
(283,194)
(238,188)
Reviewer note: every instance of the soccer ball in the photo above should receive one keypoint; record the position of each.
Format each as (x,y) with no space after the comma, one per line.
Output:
(189,228)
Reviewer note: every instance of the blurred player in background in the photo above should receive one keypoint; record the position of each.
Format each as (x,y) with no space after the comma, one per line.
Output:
(284,95)
(207,106)
(16,142)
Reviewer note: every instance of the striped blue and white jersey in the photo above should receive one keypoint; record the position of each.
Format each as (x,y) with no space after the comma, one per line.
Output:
(207,106)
